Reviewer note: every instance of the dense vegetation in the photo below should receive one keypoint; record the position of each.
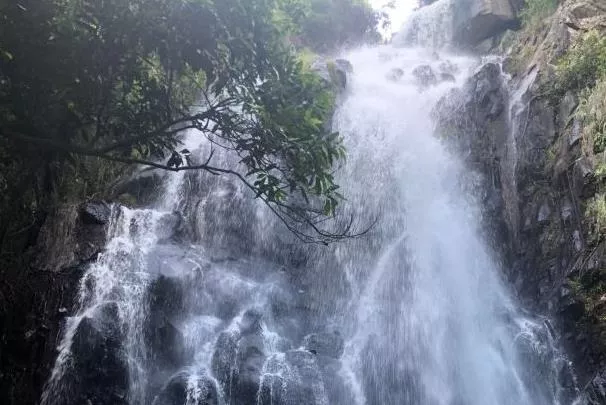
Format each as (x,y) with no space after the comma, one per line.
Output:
(583,70)
(89,88)
(583,65)
(535,11)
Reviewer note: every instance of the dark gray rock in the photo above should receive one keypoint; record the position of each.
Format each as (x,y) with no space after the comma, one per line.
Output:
(572,309)
(567,106)
(310,388)
(223,362)
(448,67)
(596,389)
(477,20)
(583,178)
(447,77)
(395,74)
(424,76)
(66,241)
(274,391)
(175,391)
(344,65)
(140,189)
(165,343)
(99,371)
(334,72)
(251,357)
(95,213)
(325,344)
(165,297)
(251,322)
(487,91)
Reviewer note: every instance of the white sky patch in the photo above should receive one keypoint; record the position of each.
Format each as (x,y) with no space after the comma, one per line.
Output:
(398,15)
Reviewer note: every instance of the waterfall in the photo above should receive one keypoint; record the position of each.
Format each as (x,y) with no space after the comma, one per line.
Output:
(435,323)
(204,298)
(431,26)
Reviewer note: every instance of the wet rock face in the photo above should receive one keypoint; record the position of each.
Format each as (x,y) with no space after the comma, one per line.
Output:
(184,389)
(325,344)
(71,235)
(334,72)
(482,19)
(99,372)
(425,75)
(473,121)
(537,180)
(41,296)
(95,213)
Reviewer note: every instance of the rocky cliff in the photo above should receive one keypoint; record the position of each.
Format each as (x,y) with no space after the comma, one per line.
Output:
(520,125)
(37,295)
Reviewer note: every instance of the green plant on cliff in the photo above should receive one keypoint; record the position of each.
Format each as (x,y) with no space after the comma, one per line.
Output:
(592,112)
(535,11)
(595,212)
(84,80)
(326,25)
(583,65)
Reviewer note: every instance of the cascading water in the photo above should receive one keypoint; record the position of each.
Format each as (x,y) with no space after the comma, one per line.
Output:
(204,299)
(435,324)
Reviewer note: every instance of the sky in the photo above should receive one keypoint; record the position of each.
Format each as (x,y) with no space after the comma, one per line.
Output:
(399,14)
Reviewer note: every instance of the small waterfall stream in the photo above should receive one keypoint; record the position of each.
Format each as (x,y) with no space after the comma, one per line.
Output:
(204,299)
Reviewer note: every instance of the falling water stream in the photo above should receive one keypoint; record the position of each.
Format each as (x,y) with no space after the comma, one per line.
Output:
(203,298)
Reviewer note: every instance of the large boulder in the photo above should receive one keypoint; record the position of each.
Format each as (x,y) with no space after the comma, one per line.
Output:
(238,360)
(223,362)
(163,339)
(165,343)
(325,344)
(165,296)
(465,22)
(250,360)
(70,236)
(310,388)
(482,19)
(183,388)
(424,76)
(99,373)
(334,72)
(95,212)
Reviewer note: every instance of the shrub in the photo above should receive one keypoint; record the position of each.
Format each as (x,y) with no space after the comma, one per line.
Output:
(583,65)
(592,112)
(595,213)
(536,11)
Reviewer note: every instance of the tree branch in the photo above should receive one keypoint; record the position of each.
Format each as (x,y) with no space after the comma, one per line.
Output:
(286,213)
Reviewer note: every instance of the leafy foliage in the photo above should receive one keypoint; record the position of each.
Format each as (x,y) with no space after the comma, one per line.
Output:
(119,81)
(535,11)
(596,212)
(326,25)
(583,65)
(592,112)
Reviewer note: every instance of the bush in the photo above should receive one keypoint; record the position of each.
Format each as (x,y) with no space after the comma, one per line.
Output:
(583,65)
(592,112)
(595,213)
(536,11)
